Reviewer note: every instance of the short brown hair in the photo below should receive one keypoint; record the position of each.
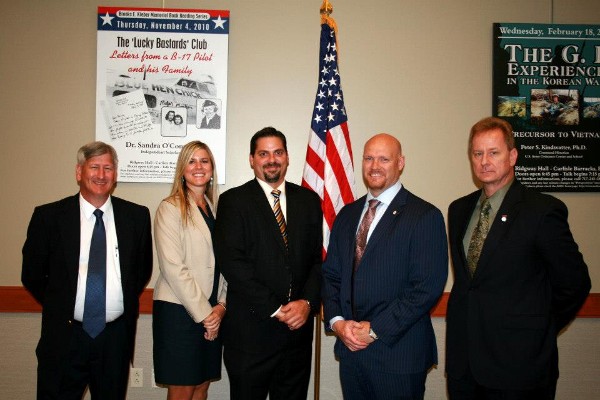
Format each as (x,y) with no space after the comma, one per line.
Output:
(490,123)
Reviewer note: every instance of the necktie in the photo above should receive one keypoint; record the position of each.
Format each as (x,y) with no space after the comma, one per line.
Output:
(94,312)
(479,235)
(279,216)
(363,231)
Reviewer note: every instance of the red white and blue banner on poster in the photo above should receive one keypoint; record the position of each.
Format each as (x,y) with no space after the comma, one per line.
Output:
(161,83)
(546,83)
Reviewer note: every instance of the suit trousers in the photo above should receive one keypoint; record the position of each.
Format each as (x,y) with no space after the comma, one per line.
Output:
(361,383)
(467,388)
(282,375)
(101,363)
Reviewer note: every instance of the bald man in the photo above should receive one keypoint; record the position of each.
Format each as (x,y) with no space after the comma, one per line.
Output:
(386,267)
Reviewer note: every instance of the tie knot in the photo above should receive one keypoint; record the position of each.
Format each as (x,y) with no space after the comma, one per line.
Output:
(98,213)
(276,193)
(374,203)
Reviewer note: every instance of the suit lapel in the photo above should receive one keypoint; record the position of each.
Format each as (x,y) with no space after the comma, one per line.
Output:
(463,217)
(507,213)
(70,229)
(355,210)
(202,227)
(387,221)
(123,229)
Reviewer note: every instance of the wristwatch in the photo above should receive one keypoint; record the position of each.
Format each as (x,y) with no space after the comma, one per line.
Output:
(373,335)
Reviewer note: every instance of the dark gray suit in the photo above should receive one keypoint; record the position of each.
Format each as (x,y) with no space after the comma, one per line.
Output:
(51,268)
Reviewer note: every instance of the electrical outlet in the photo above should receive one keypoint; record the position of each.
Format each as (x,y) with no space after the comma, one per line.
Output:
(136,377)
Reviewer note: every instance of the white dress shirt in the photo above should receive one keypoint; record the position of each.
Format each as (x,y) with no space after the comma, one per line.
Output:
(114,289)
(282,203)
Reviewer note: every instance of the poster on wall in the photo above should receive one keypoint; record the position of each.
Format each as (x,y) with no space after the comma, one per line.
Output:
(161,83)
(546,83)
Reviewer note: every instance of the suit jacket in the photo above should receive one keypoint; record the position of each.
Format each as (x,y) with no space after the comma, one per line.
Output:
(215,122)
(401,276)
(186,260)
(252,256)
(51,268)
(529,283)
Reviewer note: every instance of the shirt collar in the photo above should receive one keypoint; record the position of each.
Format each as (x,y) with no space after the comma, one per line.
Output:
(268,188)
(88,209)
(498,197)
(388,194)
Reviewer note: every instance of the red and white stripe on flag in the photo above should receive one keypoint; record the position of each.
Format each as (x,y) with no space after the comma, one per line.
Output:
(329,169)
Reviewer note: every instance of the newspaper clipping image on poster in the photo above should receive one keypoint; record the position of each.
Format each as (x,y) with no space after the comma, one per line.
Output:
(161,83)
(546,83)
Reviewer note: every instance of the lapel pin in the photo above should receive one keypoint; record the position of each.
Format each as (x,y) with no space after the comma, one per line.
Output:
(394,212)
(504,218)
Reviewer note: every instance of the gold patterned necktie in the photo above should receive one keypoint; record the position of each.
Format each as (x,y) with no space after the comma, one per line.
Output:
(479,234)
(363,231)
(279,216)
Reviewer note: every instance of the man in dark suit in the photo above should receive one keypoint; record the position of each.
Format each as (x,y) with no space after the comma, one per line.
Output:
(386,267)
(268,242)
(518,279)
(78,349)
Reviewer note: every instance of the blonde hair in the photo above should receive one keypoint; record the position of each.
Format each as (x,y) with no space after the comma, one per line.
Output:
(179,190)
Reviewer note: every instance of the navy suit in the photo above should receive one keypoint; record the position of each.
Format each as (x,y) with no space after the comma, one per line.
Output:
(51,269)
(400,278)
(529,283)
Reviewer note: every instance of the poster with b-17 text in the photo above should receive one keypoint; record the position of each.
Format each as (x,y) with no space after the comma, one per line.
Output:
(546,83)
(161,83)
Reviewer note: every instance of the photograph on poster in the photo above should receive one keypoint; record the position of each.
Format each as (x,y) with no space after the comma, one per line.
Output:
(512,106)
(209,116)
(174,122)
(555,106)
(591,107)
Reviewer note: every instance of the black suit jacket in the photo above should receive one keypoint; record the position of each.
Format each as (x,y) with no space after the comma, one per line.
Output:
(251,254)
(530,281)
(51,267)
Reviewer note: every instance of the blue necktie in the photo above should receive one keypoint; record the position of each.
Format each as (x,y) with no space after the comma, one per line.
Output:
(94,312)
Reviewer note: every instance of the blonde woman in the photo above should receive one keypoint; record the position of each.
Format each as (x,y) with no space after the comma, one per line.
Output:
(189,295)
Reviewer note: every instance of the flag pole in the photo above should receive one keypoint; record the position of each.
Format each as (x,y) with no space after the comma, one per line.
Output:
(329,169)
(325,10)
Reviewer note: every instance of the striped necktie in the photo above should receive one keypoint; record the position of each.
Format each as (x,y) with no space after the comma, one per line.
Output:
(279,216)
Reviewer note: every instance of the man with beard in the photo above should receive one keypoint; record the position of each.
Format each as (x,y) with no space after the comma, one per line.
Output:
(268,244)
(386,266)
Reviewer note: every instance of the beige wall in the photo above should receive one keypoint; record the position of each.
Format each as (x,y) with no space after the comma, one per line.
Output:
(420,70)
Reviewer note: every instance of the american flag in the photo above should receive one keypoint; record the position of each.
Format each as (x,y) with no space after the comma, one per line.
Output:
(329,169)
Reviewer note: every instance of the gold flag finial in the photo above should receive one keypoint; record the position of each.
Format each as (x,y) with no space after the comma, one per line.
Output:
(326,8)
